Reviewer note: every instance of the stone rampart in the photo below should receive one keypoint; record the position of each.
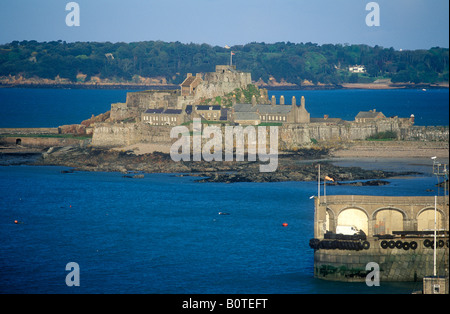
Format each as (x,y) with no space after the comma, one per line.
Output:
(296,135)
(124,134)
(27,131)
(41,142)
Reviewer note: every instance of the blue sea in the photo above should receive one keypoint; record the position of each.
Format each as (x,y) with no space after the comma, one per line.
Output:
(163,234)
(20,107)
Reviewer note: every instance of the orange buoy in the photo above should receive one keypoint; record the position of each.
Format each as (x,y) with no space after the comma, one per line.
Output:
(285,224)
(16,222)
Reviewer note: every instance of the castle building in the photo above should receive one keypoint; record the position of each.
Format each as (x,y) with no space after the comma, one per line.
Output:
(210,113)
(368,116)
(189,85)
(254,114)
(165,116)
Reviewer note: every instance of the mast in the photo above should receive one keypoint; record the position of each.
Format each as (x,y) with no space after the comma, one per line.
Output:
(434,249)
(318,186)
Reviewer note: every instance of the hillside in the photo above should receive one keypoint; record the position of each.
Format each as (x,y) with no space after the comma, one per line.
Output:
(166,63)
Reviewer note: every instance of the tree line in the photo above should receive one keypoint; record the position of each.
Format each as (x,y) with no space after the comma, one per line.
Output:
(294,63)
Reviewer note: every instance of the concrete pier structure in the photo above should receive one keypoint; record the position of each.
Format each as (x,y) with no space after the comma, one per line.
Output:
(397,235)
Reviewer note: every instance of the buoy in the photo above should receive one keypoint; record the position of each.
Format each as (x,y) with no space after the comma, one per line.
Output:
(285,224)
(16,222)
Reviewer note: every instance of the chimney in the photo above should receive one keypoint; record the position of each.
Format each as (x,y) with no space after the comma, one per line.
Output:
(294,102)
(188,75)
(253,101)
(273,101)
(281,100)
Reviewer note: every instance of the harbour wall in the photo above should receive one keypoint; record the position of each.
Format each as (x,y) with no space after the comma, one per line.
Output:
(396,236)
(395,264)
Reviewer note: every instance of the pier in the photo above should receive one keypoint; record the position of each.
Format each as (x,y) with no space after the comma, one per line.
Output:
(395,232)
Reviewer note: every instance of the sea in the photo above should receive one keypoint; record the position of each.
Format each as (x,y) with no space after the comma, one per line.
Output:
(164,234)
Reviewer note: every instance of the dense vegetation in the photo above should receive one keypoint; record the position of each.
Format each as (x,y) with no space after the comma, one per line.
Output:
(294,63)
(383,136)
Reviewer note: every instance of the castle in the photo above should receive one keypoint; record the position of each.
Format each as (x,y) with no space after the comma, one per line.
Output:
(137,119)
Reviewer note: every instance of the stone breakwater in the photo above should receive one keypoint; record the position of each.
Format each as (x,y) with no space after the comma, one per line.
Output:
(301,166)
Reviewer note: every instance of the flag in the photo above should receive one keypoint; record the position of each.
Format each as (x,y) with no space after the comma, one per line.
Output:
(232,53)
(329,179)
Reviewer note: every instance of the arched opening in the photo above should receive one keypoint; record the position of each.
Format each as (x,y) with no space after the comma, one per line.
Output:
(425,220)
(330,220)
(354,217)
(19,141)
(388,220)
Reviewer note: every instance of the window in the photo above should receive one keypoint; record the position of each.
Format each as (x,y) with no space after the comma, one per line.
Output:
(436,289)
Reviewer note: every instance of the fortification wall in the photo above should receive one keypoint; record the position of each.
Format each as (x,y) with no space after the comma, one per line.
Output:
(124,134)
(291,136)
(29,131)
(138,102)
(295,135)
(219,84)
(40,142)
(425,133)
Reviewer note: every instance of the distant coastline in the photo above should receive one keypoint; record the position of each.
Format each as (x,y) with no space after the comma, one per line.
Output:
(371,86)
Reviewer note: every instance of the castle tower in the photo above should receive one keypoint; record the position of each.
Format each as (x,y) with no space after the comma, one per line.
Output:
(294,102)
(281,100)
(253,101)
(301,114)
(273,101)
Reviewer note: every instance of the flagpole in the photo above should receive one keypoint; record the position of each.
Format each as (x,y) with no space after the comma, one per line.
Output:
(318,186)
(231,58)
(434,249)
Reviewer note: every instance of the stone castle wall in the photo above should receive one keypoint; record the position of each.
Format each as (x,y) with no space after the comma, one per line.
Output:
(124,134)
(295,135)
(291,136)
(138,102)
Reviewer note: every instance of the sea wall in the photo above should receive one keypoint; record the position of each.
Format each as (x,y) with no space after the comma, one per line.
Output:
(425,133)
(29,131)
(291,136)
(395,264)
(296,135)
(41,142)
(124,134)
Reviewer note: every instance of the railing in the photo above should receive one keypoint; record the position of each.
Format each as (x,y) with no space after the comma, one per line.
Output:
(384,200)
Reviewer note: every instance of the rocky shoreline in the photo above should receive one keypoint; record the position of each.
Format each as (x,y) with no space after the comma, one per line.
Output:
(298,166)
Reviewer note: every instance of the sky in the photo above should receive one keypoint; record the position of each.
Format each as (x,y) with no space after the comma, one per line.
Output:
(404,24)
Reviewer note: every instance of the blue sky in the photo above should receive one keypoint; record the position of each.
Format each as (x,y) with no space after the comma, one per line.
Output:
(404,24)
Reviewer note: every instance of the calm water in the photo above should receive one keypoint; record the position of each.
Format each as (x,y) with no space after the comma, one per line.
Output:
(55,107)
(163,234)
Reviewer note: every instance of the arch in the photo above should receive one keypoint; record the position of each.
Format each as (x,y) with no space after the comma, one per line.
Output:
(425,219)
(19,141)
(330,220)
(354,216)
(388,219)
